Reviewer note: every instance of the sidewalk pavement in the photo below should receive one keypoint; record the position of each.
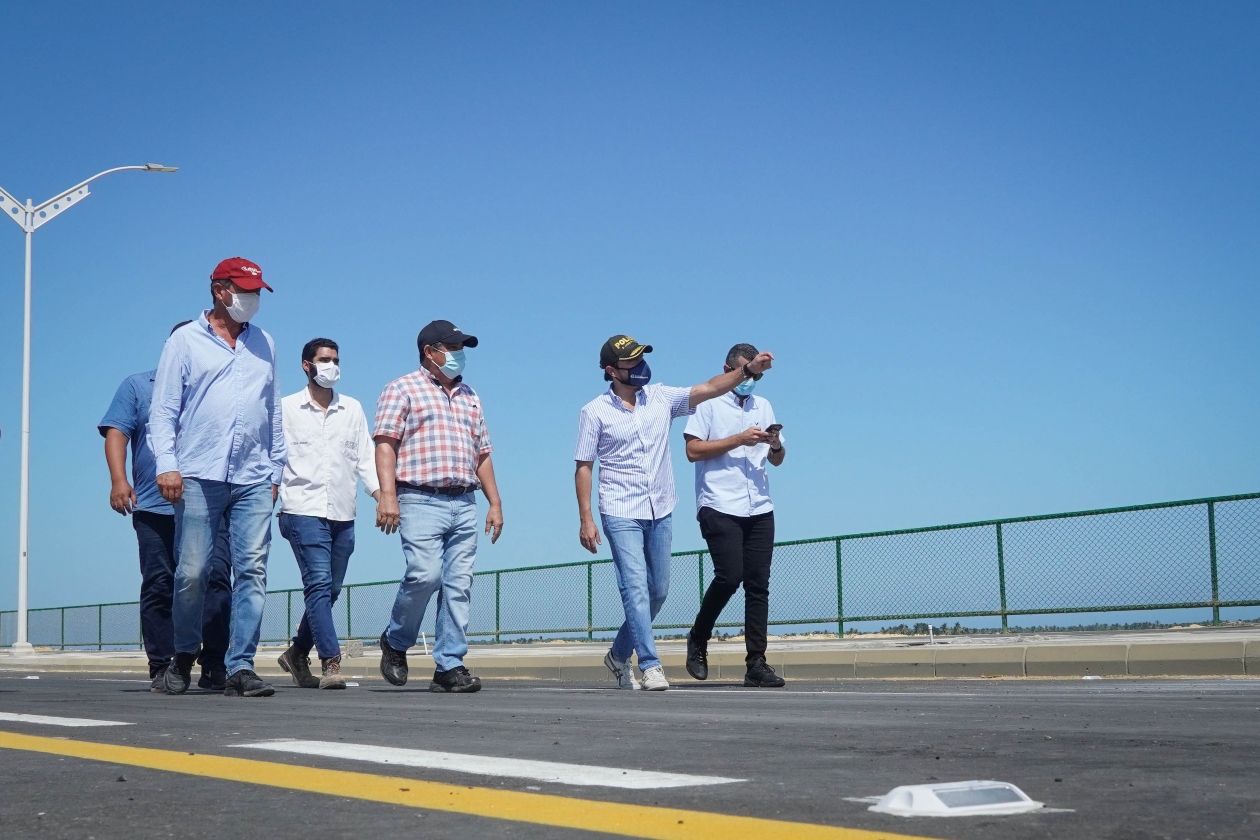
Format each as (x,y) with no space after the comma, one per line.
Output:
(1208,651)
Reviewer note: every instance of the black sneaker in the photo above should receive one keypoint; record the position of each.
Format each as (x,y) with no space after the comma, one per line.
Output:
(457,681)
(761,675)
(214,679)
(298,665)
(697,659)
(179,674)
(158,686)
(245,683)
(393,664)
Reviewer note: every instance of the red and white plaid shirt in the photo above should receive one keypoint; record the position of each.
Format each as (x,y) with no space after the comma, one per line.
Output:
(442,437)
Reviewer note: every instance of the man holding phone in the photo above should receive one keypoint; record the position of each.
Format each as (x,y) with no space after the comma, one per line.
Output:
(730,439)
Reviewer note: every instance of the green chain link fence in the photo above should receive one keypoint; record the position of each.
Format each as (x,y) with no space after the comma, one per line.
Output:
(1202,553)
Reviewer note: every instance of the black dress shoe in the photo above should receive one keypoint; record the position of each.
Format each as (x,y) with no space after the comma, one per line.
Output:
(697,659)
(393,664)
(761,675)
(179,675)
(298,665)
(245,683)
(214,679)
(457,681)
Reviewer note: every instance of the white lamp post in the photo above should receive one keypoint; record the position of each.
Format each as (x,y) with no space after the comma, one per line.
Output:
(29,217)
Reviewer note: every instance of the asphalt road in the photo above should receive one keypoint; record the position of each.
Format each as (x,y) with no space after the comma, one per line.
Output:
(1111,759)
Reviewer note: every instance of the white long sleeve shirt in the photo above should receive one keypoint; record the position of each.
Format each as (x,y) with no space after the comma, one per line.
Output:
(329,453)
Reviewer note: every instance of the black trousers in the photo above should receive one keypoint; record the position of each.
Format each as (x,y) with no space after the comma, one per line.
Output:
(741,547)
(155,534)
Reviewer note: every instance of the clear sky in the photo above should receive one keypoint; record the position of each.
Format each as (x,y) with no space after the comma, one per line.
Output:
(1006,254)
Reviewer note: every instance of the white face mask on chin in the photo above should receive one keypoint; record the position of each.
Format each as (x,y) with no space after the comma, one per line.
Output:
(244,306)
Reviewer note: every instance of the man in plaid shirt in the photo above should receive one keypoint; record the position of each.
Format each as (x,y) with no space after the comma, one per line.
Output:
(432,453)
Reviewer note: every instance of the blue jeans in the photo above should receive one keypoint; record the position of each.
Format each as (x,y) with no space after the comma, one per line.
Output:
(640,550)
(245,510)
(155,534)
(322,548)
(439,540)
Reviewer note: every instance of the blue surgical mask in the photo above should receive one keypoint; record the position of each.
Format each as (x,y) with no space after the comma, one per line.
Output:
(639,375)
(454,364)
(745,388)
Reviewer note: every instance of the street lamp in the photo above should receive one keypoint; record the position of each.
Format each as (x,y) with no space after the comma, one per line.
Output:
(30,217)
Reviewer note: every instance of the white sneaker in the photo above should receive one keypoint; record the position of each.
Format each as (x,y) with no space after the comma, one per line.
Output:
(654,679)
(622,671)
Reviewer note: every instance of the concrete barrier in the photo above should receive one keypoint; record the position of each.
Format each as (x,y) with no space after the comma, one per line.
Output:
(1205,653)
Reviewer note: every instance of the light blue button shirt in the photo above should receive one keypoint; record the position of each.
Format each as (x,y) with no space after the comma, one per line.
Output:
(734,483)
(216,411)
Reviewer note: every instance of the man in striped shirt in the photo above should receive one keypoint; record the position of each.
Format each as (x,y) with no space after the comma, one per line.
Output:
(627,430)
(432,453)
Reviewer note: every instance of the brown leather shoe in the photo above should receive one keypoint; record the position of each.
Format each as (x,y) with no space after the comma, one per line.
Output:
(332,677)
(298,665)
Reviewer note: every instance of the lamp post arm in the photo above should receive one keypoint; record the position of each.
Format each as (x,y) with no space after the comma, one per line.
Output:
(45,212)
(67,193)
(8,204)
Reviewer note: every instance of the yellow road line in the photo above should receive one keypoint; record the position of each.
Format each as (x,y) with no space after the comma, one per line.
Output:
(542,809)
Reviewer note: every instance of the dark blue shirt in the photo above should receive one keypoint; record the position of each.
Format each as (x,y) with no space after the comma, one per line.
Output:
(129,414)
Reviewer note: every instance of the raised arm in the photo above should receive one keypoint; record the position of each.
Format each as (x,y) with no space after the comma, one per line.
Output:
(723,382)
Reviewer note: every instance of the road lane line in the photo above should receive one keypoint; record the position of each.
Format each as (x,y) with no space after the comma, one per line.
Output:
(48,720)
(627,820)
(516,768)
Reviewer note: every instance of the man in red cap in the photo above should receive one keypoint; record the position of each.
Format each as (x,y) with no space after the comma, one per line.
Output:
(216,432)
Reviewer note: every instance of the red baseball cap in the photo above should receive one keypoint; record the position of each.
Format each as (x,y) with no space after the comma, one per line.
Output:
(242,272)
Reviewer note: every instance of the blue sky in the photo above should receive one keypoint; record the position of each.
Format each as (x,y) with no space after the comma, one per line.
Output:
(1006,254)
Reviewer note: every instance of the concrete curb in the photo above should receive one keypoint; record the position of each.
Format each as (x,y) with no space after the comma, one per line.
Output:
(1200,657)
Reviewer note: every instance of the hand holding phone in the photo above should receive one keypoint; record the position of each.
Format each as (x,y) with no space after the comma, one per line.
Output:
(774,429)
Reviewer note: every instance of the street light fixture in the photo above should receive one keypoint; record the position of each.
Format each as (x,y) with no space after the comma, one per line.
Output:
(30,217)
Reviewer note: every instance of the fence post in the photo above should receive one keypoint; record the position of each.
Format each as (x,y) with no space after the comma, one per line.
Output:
(1216,595)
(590,602)
(839,592)
(1001,575)
(498,579)
(349,627)
(700,569)
(63,628)
(100,627)
(288,613)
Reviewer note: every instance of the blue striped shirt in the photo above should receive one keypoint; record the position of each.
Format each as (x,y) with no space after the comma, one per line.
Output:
(216,411)
(636,477)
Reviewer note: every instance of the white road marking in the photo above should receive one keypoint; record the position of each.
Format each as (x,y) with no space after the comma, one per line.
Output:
(543,771)
(60,721)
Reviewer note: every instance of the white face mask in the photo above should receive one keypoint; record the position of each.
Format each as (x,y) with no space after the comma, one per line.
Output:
(327,374)
(244,307)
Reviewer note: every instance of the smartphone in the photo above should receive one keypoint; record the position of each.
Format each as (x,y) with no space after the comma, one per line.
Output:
(773,428)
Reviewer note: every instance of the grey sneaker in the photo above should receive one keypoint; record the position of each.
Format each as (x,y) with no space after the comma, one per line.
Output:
(298,665)
(245,683)
(332,673)
(622,671)
(158,685)
(654,679)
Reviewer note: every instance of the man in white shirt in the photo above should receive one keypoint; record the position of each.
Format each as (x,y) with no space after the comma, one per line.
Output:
(730,439)
(626,429)
(330,450)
